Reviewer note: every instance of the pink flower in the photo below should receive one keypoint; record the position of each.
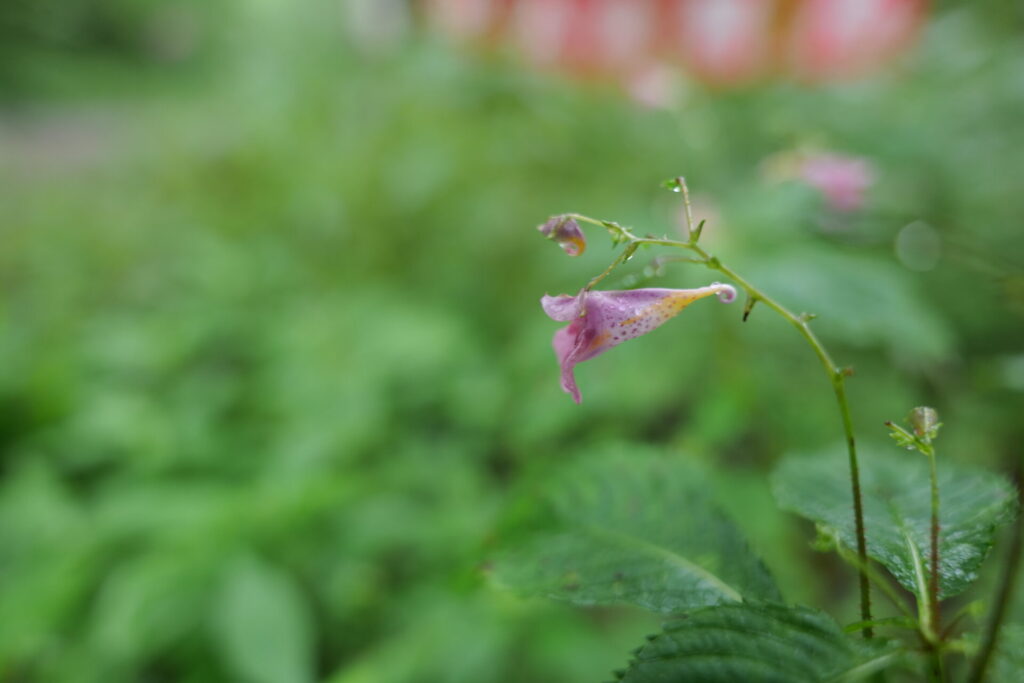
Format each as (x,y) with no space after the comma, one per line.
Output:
(584,37)
(654,87)
(722,42)
(600,320)
(842,180)
(566,232)
(832,40)
(725,42)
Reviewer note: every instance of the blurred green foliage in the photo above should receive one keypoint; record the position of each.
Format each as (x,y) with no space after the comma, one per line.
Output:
(275,377)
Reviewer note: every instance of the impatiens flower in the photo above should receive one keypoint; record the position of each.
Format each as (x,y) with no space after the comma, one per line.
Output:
(654,87)
(600,320)
(566,231)
(723,42)
(841,179)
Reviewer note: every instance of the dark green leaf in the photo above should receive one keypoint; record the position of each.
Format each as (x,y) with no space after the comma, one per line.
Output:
(897,508)
(639,530)
(755,643)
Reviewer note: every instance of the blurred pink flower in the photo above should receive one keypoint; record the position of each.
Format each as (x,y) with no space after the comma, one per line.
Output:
(467,19)
(585,37)
(842,180)
(654,87)
(834,39)
(722,42)
(599,320)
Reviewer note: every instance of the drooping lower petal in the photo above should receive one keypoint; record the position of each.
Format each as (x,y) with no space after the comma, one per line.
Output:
(565,342)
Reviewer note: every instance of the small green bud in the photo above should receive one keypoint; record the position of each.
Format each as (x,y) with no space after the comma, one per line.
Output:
(925,422)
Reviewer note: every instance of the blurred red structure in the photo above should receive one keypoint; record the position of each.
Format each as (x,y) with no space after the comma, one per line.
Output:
(721,42)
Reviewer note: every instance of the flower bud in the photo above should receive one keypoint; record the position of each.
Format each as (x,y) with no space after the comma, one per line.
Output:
(566,232)
(925,421)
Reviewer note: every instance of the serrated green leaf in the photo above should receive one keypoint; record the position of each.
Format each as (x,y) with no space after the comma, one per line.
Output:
(897,508)
(636,530)
(756,643)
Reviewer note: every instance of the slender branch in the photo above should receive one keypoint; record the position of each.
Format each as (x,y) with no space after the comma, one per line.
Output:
(837,375)
(839,386)
(626,254)
(1003,597)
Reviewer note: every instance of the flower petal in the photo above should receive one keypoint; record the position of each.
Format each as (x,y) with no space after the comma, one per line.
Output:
(622,315)
(601,320)
(565,343)
(844,181)
(563,307)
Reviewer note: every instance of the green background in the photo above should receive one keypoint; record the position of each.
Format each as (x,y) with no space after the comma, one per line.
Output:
(275,379)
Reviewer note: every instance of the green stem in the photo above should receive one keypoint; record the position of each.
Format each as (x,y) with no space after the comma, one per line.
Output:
(626,254)
(879,581)
(933,583)
(937,672)
(838,378)
(837,375)
(924,605)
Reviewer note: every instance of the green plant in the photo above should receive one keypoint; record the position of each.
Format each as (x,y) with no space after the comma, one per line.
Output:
(645,531)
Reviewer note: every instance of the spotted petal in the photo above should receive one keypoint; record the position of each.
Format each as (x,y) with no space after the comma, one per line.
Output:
(601,320)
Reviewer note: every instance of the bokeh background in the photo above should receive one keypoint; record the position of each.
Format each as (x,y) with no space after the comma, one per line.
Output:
(275,381)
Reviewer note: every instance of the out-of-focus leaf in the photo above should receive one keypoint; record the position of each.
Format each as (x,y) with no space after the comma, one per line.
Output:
(263,625)
(147,603)
(860,300)
(755,643)
(897,508)
(1008,660)
(639,530)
